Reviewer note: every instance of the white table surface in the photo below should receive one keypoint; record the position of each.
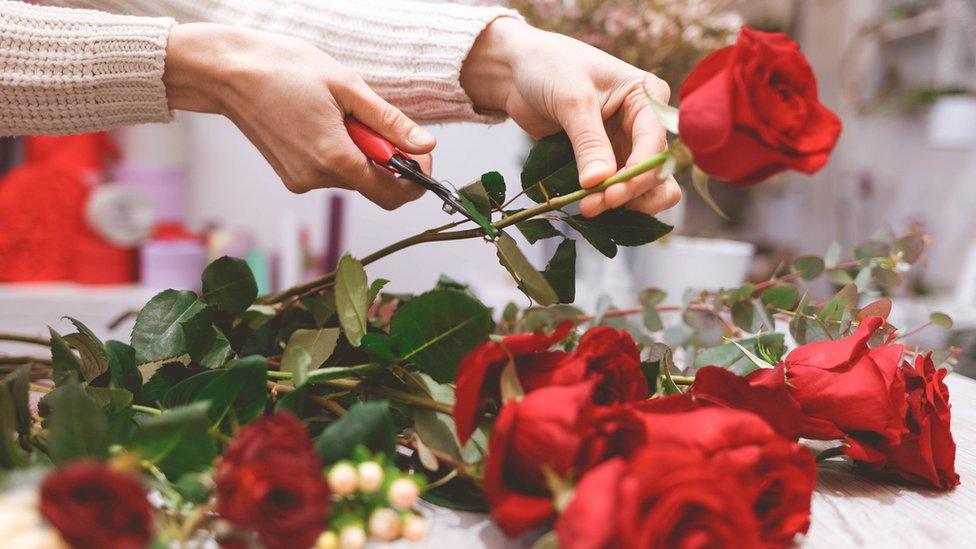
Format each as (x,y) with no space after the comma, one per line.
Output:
(848,510)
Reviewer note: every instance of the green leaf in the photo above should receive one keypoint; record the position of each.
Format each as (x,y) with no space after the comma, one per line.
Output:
(241,387)
(871,249)
(339,372)
(322,306)
(478,196)
(64,362)
(730,356)
(157,334)
(699,180)
(781,296)
(649,300)
(186,391)
(308,349)
(619,227)
(206,344)
(229,285)
(94,361)
(379,346)
(78,428)
(367,423)
(436,329)
(178,441)
(537,229)
(911,248)
(375,288)
(561,271)
(481,219)
(161,382)
(15,416)
(122,366)
(550,169)
(941,320)
(351,298)
(832,257)
(529,279)
(494,185)
(809,266)
(113,401)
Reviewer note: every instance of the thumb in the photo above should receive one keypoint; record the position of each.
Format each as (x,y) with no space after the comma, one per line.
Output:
(387,120)
(583,123)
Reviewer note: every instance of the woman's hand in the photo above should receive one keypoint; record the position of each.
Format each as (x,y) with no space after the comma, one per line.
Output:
(547,82)
(290,98)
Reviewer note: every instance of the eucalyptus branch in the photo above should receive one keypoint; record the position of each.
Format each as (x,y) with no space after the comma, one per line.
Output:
(437,234)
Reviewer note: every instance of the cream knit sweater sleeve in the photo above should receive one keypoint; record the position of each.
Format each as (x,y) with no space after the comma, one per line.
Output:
(68,71)
(409,52)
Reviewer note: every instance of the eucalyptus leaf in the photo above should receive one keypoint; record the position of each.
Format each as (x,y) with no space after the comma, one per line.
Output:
(436,329)
(229,285)
(352,298)
(881,307)
(158,334)
(809,266)
(649,299)
(780,297)
(941,320)
(731,356)
(529,279)
(308,349)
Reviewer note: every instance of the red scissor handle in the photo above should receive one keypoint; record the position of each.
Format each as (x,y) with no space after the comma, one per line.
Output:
(376,147)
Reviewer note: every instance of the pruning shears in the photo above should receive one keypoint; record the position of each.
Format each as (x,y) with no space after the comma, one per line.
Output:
(379,149)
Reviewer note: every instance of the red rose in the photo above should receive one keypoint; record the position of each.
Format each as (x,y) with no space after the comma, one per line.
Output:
(926,453)
(270,480)
(751,110)
(666,496)
(606,355)
(539,431)
(94,506)
(844,386)
(611,431)
(763,392)
(479,371)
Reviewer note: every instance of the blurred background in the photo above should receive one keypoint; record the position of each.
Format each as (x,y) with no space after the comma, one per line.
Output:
(92,226)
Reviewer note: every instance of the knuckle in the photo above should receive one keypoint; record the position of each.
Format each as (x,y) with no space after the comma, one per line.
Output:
(392,117)
(299,185)
(589,141)
(578,99)
(658,88)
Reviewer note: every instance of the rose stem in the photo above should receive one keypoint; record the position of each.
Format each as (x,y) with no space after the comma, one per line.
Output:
(25,339)
(683,380)
(434,235)
(354,384)
(458,466)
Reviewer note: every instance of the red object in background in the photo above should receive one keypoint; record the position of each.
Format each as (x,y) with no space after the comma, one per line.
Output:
(43,232)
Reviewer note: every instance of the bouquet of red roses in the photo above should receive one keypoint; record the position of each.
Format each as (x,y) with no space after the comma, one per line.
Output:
(317,415)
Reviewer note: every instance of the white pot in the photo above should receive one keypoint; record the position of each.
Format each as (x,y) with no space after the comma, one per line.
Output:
(681,263)
(952,123)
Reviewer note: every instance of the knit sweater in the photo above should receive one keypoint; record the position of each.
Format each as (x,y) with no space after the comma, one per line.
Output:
(76,70)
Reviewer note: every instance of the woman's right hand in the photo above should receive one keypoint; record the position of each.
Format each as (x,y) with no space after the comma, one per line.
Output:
(290,99)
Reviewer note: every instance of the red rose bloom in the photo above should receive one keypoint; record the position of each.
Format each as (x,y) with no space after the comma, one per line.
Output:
(776,475)
(843,386)
(606,355)
(666,496)
(926,454)
(539,431)
(270,480)
(479,371)
(763,392)
(94,506)
(751,110)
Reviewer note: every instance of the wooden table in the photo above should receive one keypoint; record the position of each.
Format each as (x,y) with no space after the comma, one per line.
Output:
(848,510)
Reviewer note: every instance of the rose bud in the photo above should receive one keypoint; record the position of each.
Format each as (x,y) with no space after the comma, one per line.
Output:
(352,537)
(370,476)
(327,540)
(342,478)
(403,493)
(414,528)
(384,524)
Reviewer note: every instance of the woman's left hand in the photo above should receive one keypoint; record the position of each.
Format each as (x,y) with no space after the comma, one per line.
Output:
(549,82)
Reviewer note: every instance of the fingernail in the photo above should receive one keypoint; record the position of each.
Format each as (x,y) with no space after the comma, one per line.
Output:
(420,137)
(594,169)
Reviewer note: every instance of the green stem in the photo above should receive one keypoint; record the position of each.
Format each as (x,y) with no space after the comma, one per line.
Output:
(435,235)
(683,380)
(147,410)
(25,339)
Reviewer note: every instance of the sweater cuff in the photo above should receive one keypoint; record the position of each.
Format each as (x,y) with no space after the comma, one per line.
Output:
(73,71)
